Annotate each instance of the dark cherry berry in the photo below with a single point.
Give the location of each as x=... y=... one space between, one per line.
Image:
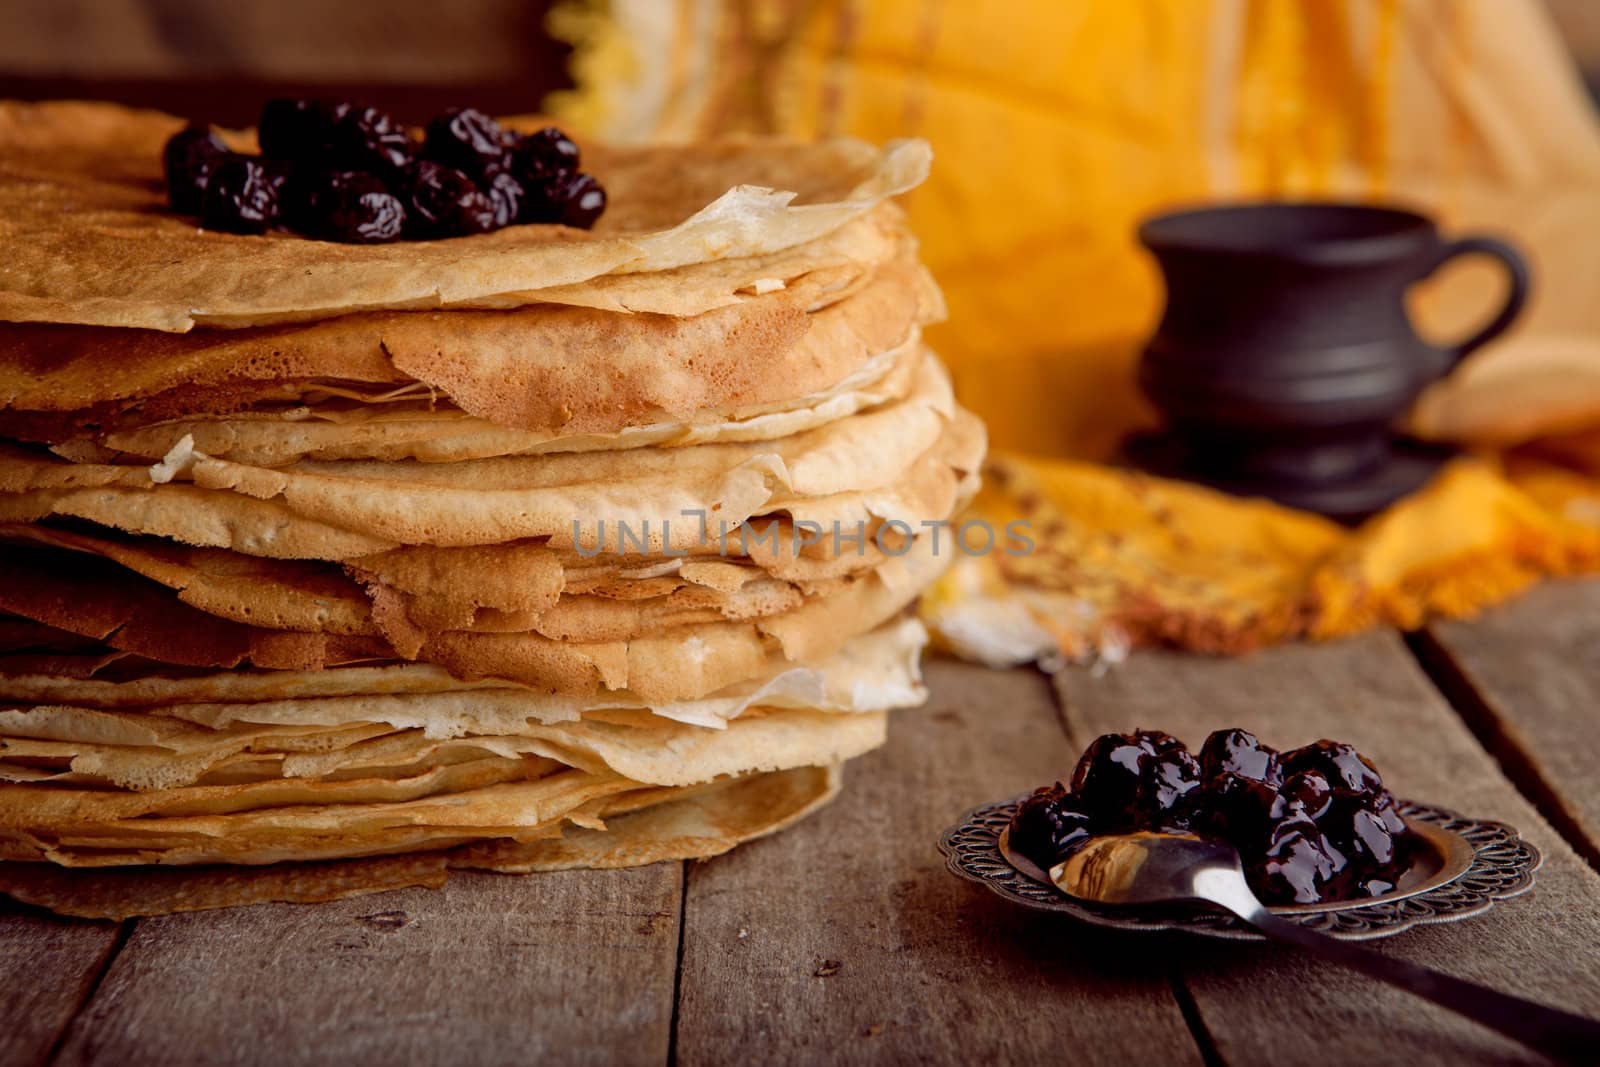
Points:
x=278 y=172
x=1307 y=792
x=356 y=207
x=1238 y=752
x=332 y=170
x=241 y=196
x=586 y=201
x=1370 y=842
x=1107 y=777
x=1341 y=764
x=1048 y=827
x=543 y=156
x=366 y=139
x=298 y=197
x=575 y=200
x=1355 y=825
x=299 y=129
x=1239 y=809
x=1159 y=741
x=189 y=158
x=1168 y=786
x=508 y=195
x=1283 y=821
x=1297 y=869
x=468 y=140
x=1388 y=810
x=443 y=202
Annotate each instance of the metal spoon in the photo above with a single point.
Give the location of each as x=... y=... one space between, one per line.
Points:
x=1149 y=868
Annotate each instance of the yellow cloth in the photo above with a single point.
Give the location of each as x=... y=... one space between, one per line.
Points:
x=1122 y=560
x=1056 y=125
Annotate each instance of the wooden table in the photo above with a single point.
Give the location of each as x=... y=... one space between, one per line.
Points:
x=844 y=940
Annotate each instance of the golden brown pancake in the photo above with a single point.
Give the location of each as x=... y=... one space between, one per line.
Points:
x=89 y=238
x=543 y=369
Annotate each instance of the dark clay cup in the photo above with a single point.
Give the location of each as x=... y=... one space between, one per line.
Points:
x=1285 y=355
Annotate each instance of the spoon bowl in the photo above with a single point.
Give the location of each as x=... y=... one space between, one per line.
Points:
x=1142 y=869
x=1439 y=857
x=1151 y=868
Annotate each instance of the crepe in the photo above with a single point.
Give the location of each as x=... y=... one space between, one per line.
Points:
x=546 y=370
x=405 y=594
x=90 y=241
x=321 y=598
x=679 y=663
x=565 y=496
x=875 y=672
x=696 y=825
x=271 y=530
x=435 y=431
x=362 y=825
x=243 y=765
x=924 y=490
x=279 y=793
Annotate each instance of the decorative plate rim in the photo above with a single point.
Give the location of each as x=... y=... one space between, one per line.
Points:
x=1503 y=866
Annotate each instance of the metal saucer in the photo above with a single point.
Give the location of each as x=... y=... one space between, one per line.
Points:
x=1463 y=868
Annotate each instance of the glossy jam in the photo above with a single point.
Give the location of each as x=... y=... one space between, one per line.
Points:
x=1312 y=824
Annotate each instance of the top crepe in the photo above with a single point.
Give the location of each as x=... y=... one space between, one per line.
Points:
x=90 y=240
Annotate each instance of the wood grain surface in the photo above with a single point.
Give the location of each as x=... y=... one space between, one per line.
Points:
x=1263 y=1004
x=48 y=967
x=844 y=940
x=574 y=967
x=1527 y=675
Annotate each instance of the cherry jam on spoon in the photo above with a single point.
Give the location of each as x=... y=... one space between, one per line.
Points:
x=1242 y=827
x=1148 y=868
x=1312 y=825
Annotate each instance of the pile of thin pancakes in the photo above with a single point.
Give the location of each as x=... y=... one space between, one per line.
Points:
x=330 y=568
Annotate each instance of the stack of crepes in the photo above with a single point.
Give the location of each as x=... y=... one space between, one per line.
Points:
x=330 y=568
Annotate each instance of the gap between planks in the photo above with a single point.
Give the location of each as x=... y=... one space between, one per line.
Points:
x=1526 y=676
x=1442 y=670
x=91 y=987
x=1205 y=1044
x=1370 y=691
x=570 y=967
x=844 y=939
x=1495 y=734
x=677 y=969
x=50 y=967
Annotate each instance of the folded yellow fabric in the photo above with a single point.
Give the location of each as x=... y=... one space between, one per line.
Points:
x=1121 y=560
x=1056 y=126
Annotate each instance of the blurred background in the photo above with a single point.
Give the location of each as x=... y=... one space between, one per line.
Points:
x=216 y=60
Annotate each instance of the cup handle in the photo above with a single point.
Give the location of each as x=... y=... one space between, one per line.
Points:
x=1517 y=273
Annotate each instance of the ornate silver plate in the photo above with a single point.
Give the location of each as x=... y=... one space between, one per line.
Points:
x=1463 y=867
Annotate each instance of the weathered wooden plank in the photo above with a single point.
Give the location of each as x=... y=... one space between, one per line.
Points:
x=1264 y=1004
x=1527 y=674
x=844 y=939
x=47 y=967
x=575 y=967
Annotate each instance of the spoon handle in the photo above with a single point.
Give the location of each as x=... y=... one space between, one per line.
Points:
x=1550 y=1030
